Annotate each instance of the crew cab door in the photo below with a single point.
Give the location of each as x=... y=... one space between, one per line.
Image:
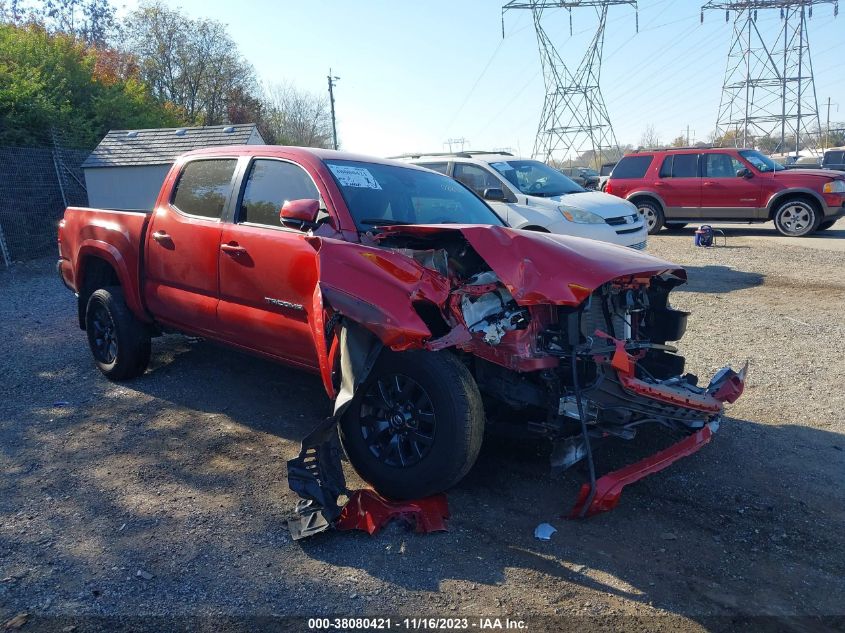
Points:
x=723 y=193
x=183 y=242
x=679 y=186
x=268 y=272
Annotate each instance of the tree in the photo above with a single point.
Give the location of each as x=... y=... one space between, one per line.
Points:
x=679 y=141
x=297 y=117
x=191 y=63
x=92 y=21
x=649 y=137
x=55 y=82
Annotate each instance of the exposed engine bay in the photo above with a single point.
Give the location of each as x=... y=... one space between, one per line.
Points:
x=612 y=350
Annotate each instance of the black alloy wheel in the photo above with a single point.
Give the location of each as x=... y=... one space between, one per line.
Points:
x=398 y=423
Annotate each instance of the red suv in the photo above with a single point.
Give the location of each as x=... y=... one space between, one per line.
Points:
x=673 y=187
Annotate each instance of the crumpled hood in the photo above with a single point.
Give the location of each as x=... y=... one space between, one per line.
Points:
x=598 y=202
x=543 y=268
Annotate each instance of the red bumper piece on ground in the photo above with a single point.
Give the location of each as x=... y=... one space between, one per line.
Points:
x=368 y=511
x=609 y=487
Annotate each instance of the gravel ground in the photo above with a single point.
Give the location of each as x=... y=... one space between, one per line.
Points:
x=167 y=495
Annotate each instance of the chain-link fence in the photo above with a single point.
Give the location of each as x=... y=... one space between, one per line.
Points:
x=36 y=184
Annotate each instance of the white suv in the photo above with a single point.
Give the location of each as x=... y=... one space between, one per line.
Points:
x=528 y=194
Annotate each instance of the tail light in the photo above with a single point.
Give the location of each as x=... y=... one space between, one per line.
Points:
x=608 y=188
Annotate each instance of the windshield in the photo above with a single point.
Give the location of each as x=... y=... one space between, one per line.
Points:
x=586 y=171
x=387 y=194
x=534 y=178
x=763 y=163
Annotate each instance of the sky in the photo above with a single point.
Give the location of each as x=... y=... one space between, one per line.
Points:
x=415 y=74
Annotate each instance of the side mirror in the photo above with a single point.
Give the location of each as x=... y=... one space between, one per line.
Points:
x=744 y=173
x=494 y=194
x=298 y=214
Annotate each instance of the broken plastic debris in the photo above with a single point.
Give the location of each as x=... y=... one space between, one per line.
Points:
x=544 y=531
x=368 y=511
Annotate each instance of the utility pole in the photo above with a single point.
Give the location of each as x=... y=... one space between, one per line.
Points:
x=332 y=80
x=827 y=125
x=455 y=141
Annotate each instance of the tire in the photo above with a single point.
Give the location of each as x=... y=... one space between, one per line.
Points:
x=119 y=342
x=824 y=226
x=796 y=217
x=382 y=431
x=652 y=214
x=675 y=226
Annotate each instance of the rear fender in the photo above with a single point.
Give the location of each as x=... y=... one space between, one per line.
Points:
x=127 y=275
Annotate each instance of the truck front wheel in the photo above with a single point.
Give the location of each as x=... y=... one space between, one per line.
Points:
x=119 y=342
x=415 y=425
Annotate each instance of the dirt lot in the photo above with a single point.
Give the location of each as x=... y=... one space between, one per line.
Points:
x=180 y=476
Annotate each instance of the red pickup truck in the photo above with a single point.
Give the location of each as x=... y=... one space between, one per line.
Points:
x=425 y=316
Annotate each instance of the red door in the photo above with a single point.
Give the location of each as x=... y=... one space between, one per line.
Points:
x=268 y=273
x=726 y=195
x=679 y=185
x=183 y=240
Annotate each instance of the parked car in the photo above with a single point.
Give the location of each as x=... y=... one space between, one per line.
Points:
x=529 y=194
x=604 y=174
x=834 y=159
x=405 y=293
x=584 y=176
x=803 y=162
x=673 y=187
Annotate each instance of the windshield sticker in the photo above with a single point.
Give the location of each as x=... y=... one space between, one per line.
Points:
x=500 y=166
x=354 y=177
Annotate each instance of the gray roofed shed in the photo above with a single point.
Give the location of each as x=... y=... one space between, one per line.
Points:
x=127 y=168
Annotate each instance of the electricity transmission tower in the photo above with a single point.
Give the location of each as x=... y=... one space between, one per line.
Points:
x=768 y=92
x=574 y=117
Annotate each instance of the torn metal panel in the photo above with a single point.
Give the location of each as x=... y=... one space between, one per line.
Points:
x=377 y=288
x=542 y=268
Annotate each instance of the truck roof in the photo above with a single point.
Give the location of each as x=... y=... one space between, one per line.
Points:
x=285 y=150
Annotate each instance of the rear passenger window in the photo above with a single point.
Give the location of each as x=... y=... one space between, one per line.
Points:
x=203 y=187
x=270 y=184
x=440 y=167
x=685 y=166
x=632 y=167
x=476 y=178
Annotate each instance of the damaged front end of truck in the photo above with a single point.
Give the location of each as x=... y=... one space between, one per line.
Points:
x=566 y=338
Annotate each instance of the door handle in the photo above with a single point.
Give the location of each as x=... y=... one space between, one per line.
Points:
x=161 y=236
x=707 y=183
x=233 y=249
x=659 y=184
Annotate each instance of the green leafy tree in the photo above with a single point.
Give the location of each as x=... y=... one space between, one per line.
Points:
x=57 y=82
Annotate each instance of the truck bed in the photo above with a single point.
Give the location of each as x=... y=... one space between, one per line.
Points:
x=115 y=236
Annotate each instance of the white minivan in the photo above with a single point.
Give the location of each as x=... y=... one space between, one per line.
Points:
x=528 y=194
